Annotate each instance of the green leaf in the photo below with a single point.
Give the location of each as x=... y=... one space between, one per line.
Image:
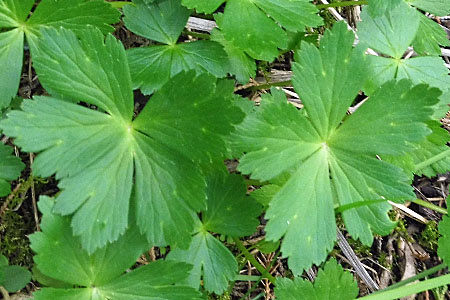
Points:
x=153 y=66
x=332 y=282
x=392 y=32
x=434 y=144
x=444 y=241
x=230 y=211
x=74 y=15
x=436 y=7
x=203 y=6
x=100 y=275
x=265 y=194
x=16 y=278
x=253 y=25
x=212 y=261
x=13 y=13
x=91 y=69
x=429 y=37
x=380 y=7
x=162 y=21
x=332 y=157
x=239 y=63
x=10 y=168
x=11 y=56
x=105 y=151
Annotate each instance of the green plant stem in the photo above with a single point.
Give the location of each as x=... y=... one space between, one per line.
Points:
x=432 y=160
x=120 y=4
x=266 y=86
x=430 y=206
x=414 y=278
x=410 y=289
x=341 y=4
x=253 y=261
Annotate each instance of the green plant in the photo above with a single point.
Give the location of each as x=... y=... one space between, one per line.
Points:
x=132 y=177
x=12 y=278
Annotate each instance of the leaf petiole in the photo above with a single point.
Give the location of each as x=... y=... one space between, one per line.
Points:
x=432 y=160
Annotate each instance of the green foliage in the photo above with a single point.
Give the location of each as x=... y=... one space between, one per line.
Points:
x=94 y=274
x=252 y=26
x=228 y=212
x=332 y=282
x=70 y=14
x=278 y=138
x=82 y=145
x=163 y=21
x=10 y=168
x=13 y=278
x=136 y=175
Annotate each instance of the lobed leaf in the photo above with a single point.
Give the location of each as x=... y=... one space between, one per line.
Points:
x=332 y=282
x=161 y=21
x=230 y=212
x=331 y=158
x=95 y=275
x=13 y=13
x=153 y=66
x=101 y=151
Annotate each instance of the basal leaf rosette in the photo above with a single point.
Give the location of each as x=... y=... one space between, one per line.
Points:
x=100 y=156
x=332 y=157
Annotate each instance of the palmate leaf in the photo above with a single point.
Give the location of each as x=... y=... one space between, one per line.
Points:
x=332 y=282
x=252 y=25
x=152 y=66
x=384 y=15
x=71 y=14
x=100 y=275
x=10 y=168
x=230 y=212
x=103 y=150
x=332 y=158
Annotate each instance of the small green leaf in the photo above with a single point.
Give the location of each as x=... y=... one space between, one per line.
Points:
x=230 y=211
x=429 y=37
x=212 y=261
x=239 y=63
x=250 y=29
x=10 y=168
x=265 y=194
x=16 y=278
x=162 y=21
x=11 y=56
x=392 y=32
x=332 y=282
x=444 y=241
x=154 y=66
